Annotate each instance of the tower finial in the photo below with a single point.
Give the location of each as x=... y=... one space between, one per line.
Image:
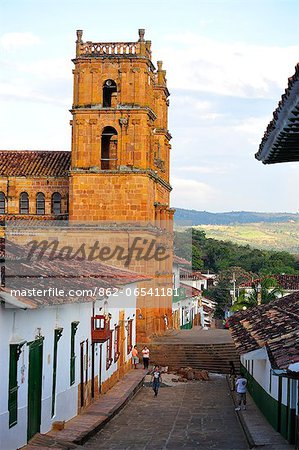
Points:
x=141 y=33
x=79 y=36
x=159 y=64
x=78 y=42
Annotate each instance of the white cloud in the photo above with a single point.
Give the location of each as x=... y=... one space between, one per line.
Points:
x=212 y=169
x=252 y=125
x=194 y=62
x=19 y=90
x=188 y=193
x=48 y=68
x=13 y=40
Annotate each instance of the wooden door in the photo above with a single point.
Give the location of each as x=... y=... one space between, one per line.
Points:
x=35 y=387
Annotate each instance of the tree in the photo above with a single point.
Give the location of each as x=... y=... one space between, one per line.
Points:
x=221 y=295
x=263 y=291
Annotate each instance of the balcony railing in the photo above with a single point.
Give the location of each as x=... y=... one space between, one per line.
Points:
x=109 y=48
x=100 y=328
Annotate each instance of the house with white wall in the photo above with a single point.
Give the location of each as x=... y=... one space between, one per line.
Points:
x=266 y=337
x=58 y=352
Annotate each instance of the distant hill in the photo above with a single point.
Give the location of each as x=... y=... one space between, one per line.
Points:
x=282 y=236
x=193 y=217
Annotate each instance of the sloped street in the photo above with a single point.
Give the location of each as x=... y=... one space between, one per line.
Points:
x=194 y=415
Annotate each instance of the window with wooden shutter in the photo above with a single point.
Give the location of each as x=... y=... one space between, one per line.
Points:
x=130 y=336
x=57 y=336
x=74 y=326
x=14 y=354
x=116 y=343
x=109 y=351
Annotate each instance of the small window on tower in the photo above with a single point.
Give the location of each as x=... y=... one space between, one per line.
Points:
x=108 y=88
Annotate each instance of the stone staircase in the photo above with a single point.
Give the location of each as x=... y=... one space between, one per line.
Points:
x=212 y=357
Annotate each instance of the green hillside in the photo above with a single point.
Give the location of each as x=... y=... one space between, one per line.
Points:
x=271 y=236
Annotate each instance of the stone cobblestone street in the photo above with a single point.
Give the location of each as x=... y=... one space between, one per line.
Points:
x=194 y=415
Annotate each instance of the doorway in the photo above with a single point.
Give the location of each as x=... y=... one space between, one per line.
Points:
x=35 y=387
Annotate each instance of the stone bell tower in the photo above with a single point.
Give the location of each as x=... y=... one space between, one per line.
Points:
x=120 y=137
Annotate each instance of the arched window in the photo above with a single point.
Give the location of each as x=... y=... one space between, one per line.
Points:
x=40 y=203
x=67 y=203
x=56 y=203
x=109 y=149
x=2 y=203
x=24 y=203
x=108 y=88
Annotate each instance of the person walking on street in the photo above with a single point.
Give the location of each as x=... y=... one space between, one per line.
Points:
x=145 y=357
x=156 y=380
x=241 y=388
x=135 y=356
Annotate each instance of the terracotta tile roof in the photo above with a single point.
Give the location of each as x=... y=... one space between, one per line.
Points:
x=190 y=290
x=179 y=260
x=280 y=140
x=275 y=325
x=186 y=274
x=21 y=273
x=34 y=163
x=286 y=282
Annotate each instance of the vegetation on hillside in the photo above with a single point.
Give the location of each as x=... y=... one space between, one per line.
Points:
x=268 y=236
x=215 y=256
x=234 y=265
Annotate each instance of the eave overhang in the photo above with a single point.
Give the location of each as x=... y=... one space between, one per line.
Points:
x=281 y=138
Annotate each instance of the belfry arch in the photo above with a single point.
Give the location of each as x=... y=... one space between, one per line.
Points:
x=109 y=87
x=109 y=149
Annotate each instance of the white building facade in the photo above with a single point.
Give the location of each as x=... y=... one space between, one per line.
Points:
x=53 y=363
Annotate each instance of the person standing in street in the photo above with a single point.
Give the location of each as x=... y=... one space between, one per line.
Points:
x=135 y=356
x=145 y=357
x=156 y=380
x=241 y=388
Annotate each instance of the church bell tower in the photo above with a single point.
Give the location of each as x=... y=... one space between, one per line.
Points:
x=120 y=140
x=120 y=137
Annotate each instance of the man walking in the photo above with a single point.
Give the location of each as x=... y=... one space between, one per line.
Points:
x=156 y=380
x=241 y=388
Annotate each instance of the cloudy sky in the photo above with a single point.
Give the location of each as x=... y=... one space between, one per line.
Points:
x=227 y=64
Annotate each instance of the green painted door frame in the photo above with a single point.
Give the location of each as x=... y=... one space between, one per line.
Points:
x=57 y=336
x=35 y=387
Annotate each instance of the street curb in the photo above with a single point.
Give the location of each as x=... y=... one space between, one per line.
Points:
x=241 y=420
x=87 y=435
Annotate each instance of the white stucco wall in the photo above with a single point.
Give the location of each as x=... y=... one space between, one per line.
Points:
x=25 y=324
x=264 y=376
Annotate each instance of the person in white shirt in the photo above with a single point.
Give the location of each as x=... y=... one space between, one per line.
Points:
x=145 y=357
x=241 y=388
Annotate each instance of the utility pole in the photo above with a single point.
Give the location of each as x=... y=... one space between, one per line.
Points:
x=234 y=288
x=259 y=294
